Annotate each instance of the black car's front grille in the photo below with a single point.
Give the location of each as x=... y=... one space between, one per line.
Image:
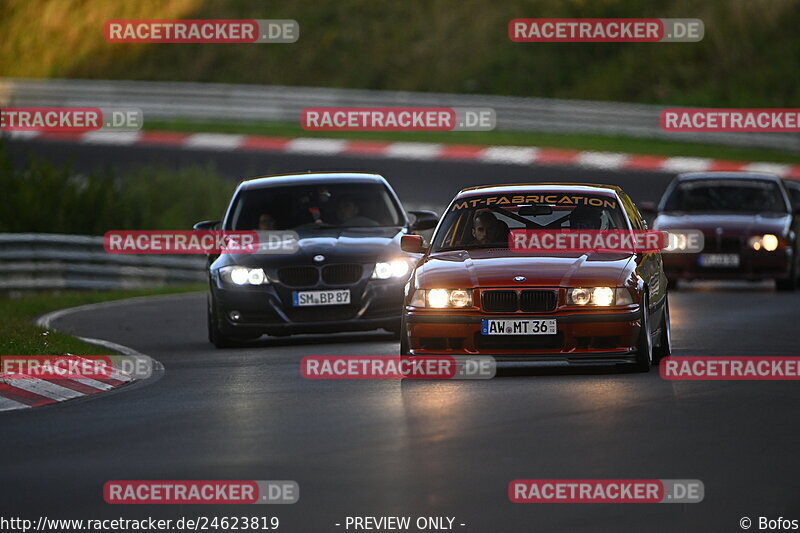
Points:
x=500 y=301
x=530 y=301
x=537 y=301
x=343 y=274
x=519 y=342
x=730 y=244
x=299 y=276
x=321 y=314
x=309 y=276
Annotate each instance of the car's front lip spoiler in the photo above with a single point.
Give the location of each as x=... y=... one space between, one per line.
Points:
x=546 y=360
x=622 y=316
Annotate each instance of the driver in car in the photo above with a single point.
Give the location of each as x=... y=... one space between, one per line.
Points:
x=347 y=213
x=487 y=229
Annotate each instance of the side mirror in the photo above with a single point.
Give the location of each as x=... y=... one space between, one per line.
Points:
x=206 y=225
x=649 y=208
x=424 y=220
x=413 y=244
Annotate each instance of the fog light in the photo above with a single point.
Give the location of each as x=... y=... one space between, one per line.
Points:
x=235 y=316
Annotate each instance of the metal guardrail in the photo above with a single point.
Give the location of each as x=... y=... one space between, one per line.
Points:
x=53 y=261
x=256 y=103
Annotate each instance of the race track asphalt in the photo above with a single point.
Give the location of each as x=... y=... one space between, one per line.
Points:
x=417 y=448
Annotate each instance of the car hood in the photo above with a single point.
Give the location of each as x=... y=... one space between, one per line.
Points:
x=497 y=268
x=339 y=245
x=731 y=223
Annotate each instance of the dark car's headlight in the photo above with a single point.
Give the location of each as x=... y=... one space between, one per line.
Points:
x=599 y=296
x=396 y=268
x=240 y=275
x=768 y=242
x=442 y=298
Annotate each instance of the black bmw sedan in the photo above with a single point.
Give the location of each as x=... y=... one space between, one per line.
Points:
x=345 y=272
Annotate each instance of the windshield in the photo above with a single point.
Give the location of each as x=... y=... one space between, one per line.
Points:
x=298 y=207
x=726 y=195
x=485 y=222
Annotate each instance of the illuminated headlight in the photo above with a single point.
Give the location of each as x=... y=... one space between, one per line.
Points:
x=239 y=275
x=599 y=296
x=442 y=298
x=398 y=268
x=768 y=242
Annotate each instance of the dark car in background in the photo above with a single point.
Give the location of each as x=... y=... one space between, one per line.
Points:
x=748 y=222
x=347 y=273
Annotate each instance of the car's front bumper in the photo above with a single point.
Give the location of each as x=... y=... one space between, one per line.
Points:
x=752 y=266
x=268 y=310
x=589 y=337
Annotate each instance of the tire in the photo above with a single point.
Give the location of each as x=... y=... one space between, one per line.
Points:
x=664 y=348
x=644 y=345
x=215 y=336
x=405 y=345
x=791 y=283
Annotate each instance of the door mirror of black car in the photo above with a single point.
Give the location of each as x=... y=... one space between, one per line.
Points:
x=648 y=208
x=423 y=220
x=206 y=225
x=413 y=244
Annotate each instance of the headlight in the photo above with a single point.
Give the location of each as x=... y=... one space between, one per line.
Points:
x=768 y=242
x=599 y=296
x=442 y=298
x=239 y=275
x=397 y=268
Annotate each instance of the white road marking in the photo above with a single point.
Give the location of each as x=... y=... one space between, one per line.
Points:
x=772 y=168
x=686 y=164
x=214 y=141
x=518 y=155
x=111 y=137
x=44 y=388
x=601 y=159
x=413 y=150
x=7 y=404
x=305 y=145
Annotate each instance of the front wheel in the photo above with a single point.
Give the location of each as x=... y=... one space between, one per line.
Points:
x=789 y=284
x=215 y=336
x=664 y=348
x=644 y=345
x=404 y=342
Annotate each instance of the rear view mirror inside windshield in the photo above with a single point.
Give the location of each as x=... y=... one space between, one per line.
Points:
x=535 y=210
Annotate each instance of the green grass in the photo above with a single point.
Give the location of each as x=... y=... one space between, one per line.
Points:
x=572 y=142
x=20 y=336
x=748 y=57
x=150 y=198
